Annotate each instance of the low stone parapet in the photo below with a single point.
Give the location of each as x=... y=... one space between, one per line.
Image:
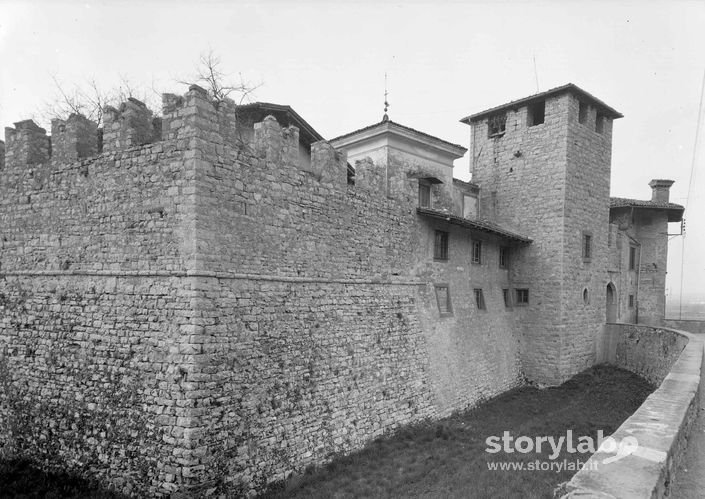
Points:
x=659 y=427
x=690 y=325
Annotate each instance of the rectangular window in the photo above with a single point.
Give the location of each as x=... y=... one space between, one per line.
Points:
x=477 y=252
x=424 y=194
x=497 y=125
x=503 y=257
x=443 y=299
x=632 y=257
x=479 y=299
x=582 y=112
x=507 y=298
x=600 y=123
x=587 y=246
x=469 y=206
x=522 y=297
x=536 y=113
x=440 y=249
x=631 y=301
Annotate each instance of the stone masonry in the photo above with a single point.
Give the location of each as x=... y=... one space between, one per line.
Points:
x=197 y=303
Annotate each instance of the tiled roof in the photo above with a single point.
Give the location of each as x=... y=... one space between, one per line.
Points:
x=675 y=211
x=612 y=113
x=413 y=130
x=281 y=111
x=480 y=225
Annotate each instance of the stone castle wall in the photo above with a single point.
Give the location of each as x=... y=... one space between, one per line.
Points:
x=197 y=312
x=92 y=303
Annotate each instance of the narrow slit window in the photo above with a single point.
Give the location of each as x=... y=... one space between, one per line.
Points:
x=587 y=247
x=477 y=252
x=632 y=257
x=503 y=257
x=631 y=301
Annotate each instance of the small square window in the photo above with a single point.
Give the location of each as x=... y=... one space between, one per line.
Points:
x=424 y=194
x=479 y=299
x=443 y=299
x=522 y=296
x=536 y=113
x=477 y=252
x=600 y=123
x=506 y=295
x=503 y=257
x=587 y=247
x=497 y=125
x=632 y=257
x=440 y=249
x=582 y=112
x=631 y=301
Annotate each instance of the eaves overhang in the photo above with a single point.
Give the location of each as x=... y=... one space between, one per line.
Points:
x=478 y=225
x=673 y=210
x=568 y=88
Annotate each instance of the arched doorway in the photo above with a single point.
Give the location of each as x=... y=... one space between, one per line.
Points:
x=611 y=302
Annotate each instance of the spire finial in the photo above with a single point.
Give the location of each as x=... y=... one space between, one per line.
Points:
x=386 y=104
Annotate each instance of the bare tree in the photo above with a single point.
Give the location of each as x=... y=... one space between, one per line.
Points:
x=218 y=83
x=88 y=99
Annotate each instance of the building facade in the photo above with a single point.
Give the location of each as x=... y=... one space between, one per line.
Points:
x=216 y=299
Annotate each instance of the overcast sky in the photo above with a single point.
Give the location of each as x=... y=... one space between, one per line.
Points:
x=444 y=60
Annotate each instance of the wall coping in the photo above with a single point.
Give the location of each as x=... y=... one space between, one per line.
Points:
x=660 y=425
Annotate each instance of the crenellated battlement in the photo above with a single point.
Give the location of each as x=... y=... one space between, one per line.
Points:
x=73 y=139
x=196 y=115
x=188 y=116
x=26 y=144
x=277 y=144
x=129 y=126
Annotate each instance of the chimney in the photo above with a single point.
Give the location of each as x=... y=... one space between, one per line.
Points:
x=659 y=190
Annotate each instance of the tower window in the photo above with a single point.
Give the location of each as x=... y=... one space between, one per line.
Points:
x=582 y=112
x=632 y=258
x=477 y=252
x=600 y=123
x=443 y=299
x=522 y=296
x=631 y=301
x=497 y=125
x=587 y=246
x=536 y=113
x=479 y=299
x=440 y=249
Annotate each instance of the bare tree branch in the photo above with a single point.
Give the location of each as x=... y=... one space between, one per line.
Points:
x=217 y=82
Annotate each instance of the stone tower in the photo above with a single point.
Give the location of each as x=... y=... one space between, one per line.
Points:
x=543 y=165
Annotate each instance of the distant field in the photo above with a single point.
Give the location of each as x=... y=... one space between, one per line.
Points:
x=693 y=310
